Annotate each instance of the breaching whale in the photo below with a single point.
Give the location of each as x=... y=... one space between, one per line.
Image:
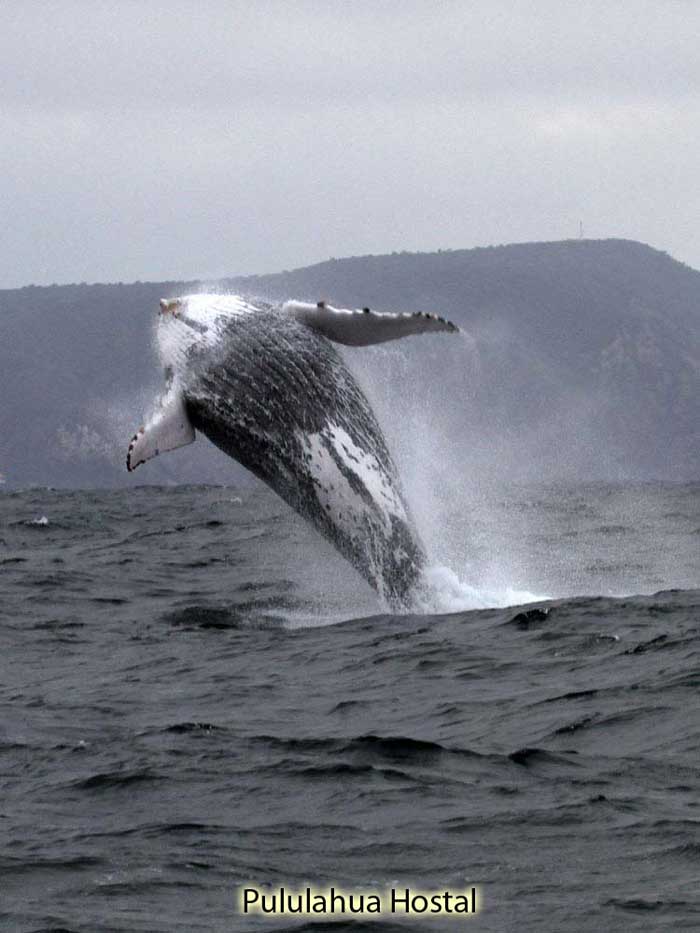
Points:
x=266 y=385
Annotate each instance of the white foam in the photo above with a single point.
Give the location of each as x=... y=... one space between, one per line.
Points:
x=441 y=591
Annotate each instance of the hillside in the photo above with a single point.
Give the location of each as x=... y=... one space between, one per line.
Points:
x=582 y=360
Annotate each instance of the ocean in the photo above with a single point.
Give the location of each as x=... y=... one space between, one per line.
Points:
x=198 y=695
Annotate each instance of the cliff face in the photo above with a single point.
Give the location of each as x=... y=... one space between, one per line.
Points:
x=582 y=360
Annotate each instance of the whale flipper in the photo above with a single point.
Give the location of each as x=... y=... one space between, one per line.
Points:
x=362 y=327
x=169 y=429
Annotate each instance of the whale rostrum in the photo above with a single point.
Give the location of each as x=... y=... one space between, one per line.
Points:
x=265 y=384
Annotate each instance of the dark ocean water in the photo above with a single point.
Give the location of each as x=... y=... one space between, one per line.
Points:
x=179 y=718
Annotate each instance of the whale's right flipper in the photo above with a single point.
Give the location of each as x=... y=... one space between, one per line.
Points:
x=169 y=429
x=362 y=327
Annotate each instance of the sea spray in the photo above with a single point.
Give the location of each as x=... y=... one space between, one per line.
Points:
x=441 y=590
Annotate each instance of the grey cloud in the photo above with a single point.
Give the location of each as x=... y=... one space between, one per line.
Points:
x=181 y=139
x=214 y=55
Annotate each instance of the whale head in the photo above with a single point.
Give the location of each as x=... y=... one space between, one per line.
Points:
x=190 y=323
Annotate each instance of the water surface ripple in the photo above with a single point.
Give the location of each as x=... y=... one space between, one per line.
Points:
x=178 y=719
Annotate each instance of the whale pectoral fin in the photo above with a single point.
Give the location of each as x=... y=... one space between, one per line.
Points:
x=169 y=429
x=362 y=327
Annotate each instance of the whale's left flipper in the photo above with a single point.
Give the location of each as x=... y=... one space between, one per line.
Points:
x=362 y=327
x=169 y=429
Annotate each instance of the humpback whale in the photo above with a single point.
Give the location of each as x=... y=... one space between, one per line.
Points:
x=266 y=384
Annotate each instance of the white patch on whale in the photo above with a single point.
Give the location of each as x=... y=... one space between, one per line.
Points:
x=334 y=492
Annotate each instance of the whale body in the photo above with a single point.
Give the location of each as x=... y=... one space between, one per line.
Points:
x=266 y=384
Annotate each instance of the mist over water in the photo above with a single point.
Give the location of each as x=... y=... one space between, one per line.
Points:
x=494 y=539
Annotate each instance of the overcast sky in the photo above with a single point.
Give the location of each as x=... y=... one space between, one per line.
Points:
x=159 y=140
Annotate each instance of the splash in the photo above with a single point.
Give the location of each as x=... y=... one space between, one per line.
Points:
x=455 y=485
x=442 y=591
x=41 y=522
